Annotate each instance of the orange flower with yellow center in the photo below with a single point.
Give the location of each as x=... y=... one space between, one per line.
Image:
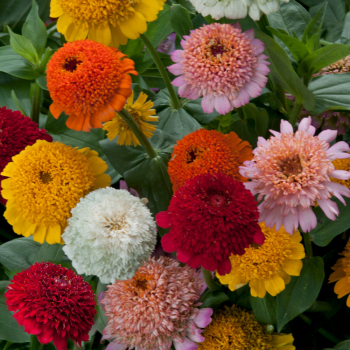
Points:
x=267 y=267
x=46 y=180
x=89 y=82
x=208 y=152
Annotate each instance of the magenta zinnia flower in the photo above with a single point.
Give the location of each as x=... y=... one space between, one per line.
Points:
x=221 y=63
x=291 y=173
x=156 y=308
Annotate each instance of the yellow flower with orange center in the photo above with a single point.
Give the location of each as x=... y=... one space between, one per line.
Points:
x=238 y=329
x=110 y=22
x=45 y=181
x=267 y=267
x=142 y=113
x=342 y=164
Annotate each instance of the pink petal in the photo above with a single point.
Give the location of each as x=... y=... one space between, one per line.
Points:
x=262 y=141
x=338 y=190
x=307 y=219
x=258 y=46
x=340 y=174
x=275 y=133
x=163 y=219
x=286 y=127
x=340 y=146
x=195 y=335
x=311 y=130
x=187 y=344
x=116 y=346
x=208 y=104
x=203 y=318
x=250 y=186
x=304 y=124
x=253 y=89
x=175 y=69
x=185 y=90
x=222 y=104
x=329 y=208
x=237 y=25
x=328 y=135
x=262 y=69
x=290 y=222
x=179 y=81
x=242 y=99
x=176 y=56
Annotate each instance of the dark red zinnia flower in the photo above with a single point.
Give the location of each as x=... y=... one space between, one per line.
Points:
x=211 y=217
x=16 y=133
x=52 y=302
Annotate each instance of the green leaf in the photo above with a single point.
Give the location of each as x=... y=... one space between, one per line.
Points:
x=264 y=309
x=42 y=82
x=315 y=26
x=23 y=47
x=327 y=229
x=313 y=43
x=180 y=20
x=261 y=118
x=346 y=29
x=194 y=108
x=101 y=319
x=14 y=64
x=300 y=292
x=34 y=30
x=147 y=176
x=245 y=129
x=187 y=5
x=214 y=300
x=323 y=57
x=283 y=73
x=344 y=345
x=296 y=47
x=50 y=252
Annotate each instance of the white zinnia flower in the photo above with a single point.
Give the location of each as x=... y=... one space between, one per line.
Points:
x=109 y=235
x=236 y=8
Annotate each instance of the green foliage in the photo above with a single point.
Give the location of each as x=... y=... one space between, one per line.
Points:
x=180 y=20
x=264 y=309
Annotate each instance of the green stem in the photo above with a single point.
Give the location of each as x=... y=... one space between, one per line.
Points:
x=296 y=112
x=240 y=112
x=263 y=23
x=45 y=59
x=308 y=244
x=174 y=98
x=7 y=345
x=320 y=306
x=36 y=105
x=325 y=43
x=209 y=280
x=138 y=133
x=34 y=343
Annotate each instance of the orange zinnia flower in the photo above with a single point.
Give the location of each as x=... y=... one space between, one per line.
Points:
x=208 y=152
x=89 y=82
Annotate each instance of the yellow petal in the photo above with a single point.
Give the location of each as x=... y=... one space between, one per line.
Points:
x=297 y=251
x=348 y=301
x=293 y=267
x=134 y=25
x=8 y=169
x=21 y=225
x=54 y=234
x=11 y=214
x=296 y=237
x=40 y=234
x=285 y=276
x=6 y=184
x=99 y=166
x=55 y=9
x=275 y=285
x=130 y=99
x=102 y=181
x=149 y=9
x=282 y=339
x=342 y=287
x=75 y=32
x=257 y=288
x=7 y=193
x=63 y=23
x=338 y=273
x=118 y=38
x=29 y=230
x=140 y=100
x=101 y=34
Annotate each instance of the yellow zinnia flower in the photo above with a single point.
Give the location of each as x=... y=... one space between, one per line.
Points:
x=141 y=111
x=234 y=328
x=342 y=164
x=110 y=22
x=267 y=267
x=46 y=180
x=341 y=274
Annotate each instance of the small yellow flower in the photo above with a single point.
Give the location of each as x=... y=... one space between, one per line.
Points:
x=110 y=22
x=342 y=164
x=141 y=111
x=237 y=329
x=45 y=181
x=267 y=267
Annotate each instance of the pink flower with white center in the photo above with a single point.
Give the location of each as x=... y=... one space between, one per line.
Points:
x=158 y=307
x=291 y=173
x=222 y=64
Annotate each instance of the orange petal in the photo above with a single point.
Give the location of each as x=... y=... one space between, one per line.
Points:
x=125 y=84
x=124 y=92
x=108 y=113
x=75 y=123
x=117 y=102
x=56 y=109
x=95 y=121
x=127 y=77
x=86 y=125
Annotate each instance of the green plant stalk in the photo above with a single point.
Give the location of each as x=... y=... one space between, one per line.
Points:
x=174 y=98
x=263 y=23
x=296 y=112
x=7 y=345
x=209 y=280
x=308 y=244
x=138 y=133
x=36 y=105
x=34 y=343
x=240 y=112
x=320 y=306
x=45 y=60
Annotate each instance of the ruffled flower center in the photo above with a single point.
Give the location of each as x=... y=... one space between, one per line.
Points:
x=71 y=64
x=45 y=177
x=291 y=168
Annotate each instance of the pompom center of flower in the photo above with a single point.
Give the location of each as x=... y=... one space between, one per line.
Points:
x=45 y=177
x=216 y=48
x=140 y=284
x=217 y=200
x=91 y=13
x=292 y=167
x=72 y=64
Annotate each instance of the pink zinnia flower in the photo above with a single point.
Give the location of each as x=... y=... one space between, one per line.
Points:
x=156 y=308
x=221 y=63
x=291 y=173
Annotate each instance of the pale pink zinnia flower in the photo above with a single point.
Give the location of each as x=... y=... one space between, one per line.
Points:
x=221 y=63
x=291 y=172
x=156 y=308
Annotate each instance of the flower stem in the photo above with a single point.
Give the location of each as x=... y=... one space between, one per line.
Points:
x=263 y=23
x=308 y=244
x=7 y=345
x=36 y=105
x=320 y=306
x=46 y=57
x=174 y=98
x=240 y=112
x=138 y=133
x=209 y=280
x=295 y=114
x=34 y=343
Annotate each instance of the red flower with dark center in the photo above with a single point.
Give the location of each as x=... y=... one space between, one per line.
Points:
x=52 y=302
x=211 y=217
x=16 y=133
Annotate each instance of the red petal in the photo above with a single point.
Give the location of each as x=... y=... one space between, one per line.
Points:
x=210 y=264
x=163 y=219
x=225 y=267
x=184 y=255
x=60 y=342
x=195 y=261
x=167 y=243
x=46 y=336
x=259 y=237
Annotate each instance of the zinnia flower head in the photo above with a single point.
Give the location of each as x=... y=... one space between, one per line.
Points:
x=238 y=329
x=110 y=22
x=109 y=235
x=341 y=275
x=341 y=66
x=207 y=151
x=46 y=180
x=16 y=133
x=342 y=164
x=158 y=307
x=236 y=8
x=142 y=113
x=329 y=119
x=267 y=267
x=53 y=303
x=291 y=173
x=89 y=82
x=211 y=217
x=222 y=64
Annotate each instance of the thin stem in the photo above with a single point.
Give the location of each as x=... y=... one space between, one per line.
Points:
x=325 y=43
x=240 y=112
x=209 y=280
x=138 y=133
x=295 y=114
x=320 y=306
x=45 y=59
x=7 y=345
x=34 y=343
x=174 y=98
x=36 y=105
x=263 y=23
x=308 y=244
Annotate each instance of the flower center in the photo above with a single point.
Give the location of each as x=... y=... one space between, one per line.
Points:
x=217 y=200
x=135 y=113
x=217 y=50
x=45 y=177
x=140 y=284
x=72 y=64
x=292 y=167
x=192 y=156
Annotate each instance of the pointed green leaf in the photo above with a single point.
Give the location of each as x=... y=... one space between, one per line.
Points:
x=261 y=118
x=180 y=20
x=315 y=26
x=50 y=252
x=213 y=300
x=346 y=30
x=194 y=108
x=264 y=309
x=344 y=345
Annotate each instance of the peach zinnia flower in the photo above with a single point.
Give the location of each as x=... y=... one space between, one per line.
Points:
x=208 y=152
x=221 y=63
x=156 y=308
x=89 y=82
x=291 y=173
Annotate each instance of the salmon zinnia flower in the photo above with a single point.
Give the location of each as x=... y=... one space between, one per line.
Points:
x=208 y=152
x=46 y=180
x=222 y=64
x=110 y=22
x=267 y=267
x=89 y=82
x=211 y=217
x=53 y=303
x=291 y=173
x=158 y=307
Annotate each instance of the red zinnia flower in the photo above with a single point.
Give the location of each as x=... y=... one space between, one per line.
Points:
x=211 y=217
x=52 y=302
x=16 y=133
